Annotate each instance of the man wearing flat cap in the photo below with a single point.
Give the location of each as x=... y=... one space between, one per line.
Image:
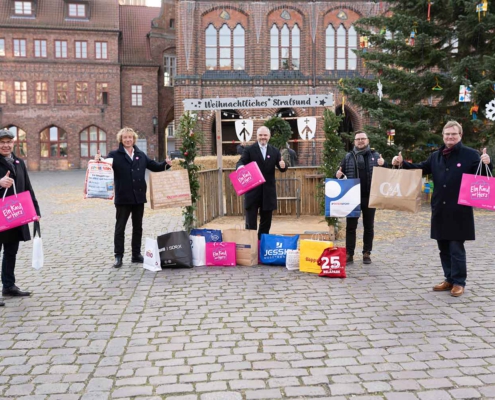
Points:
x=14 y=176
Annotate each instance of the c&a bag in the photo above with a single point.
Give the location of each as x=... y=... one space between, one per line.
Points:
x=274 y=248
x=175 y=249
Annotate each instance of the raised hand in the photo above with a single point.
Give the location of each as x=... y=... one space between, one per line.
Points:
x=98 y=155
x=397 y=160
x=282 y=164
x=485 y=157
x=6 y=181
x=381 y=161
x=339 y=173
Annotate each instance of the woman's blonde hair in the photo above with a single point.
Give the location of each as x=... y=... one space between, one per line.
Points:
x=453 y=123
x=126 y=130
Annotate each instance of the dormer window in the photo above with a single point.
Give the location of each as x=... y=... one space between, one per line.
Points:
x=76 y=10
x=23 y=7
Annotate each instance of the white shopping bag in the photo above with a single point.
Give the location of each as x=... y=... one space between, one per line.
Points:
x=151 y=256
x=38 y=257
x=198 y=247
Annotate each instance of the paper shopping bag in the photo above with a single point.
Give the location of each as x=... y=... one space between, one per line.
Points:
x=246 y=245
x=210 y=235
x=38 y=257
x=175 y=249
x=198 y=248
x=99 y=180
x=151 y=256
x=220 y=254
x=396 y=189
x=274 y=248
x=246 y=178
x=342 y=198
x=169 y=189
x=476 y=191
x=16 y=210
x=332 y=262
x=309 y=253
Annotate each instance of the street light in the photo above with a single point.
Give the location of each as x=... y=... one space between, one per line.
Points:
x=155 y=124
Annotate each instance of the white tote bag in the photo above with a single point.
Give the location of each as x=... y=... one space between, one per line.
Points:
x=198 y=247
x=38 y=257
x=151 y=256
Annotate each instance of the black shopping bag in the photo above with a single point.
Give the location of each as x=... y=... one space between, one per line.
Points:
x=175 y=250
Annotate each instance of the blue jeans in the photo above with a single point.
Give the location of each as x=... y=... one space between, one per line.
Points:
x=453 y=258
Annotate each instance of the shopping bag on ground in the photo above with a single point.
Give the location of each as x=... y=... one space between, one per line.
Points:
x=175 y=249
x=332 y=262
x=220 y=254
x=246 y=244
x=246 y=178
x=16 y=210
x=476 y=190
x=210 y=235
x=198 y=248
x=396 y=189
x=309 y=253
x=99 y=180
x=274 y=248
x=342 y=198
x=38 y=257
x=151 y=256
x=292 y=260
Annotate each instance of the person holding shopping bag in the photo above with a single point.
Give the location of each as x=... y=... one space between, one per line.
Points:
x=14 y=174
x=451 y=224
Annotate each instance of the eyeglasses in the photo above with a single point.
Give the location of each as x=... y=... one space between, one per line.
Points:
x=360 y=139
x=450 y=134
x=3 y=143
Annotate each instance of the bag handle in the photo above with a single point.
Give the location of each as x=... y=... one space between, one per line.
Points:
x=479 y=169
x=36 y=229
x=6 y=190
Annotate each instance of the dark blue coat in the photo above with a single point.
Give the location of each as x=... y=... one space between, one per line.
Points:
x=129 y=176
x=449 y=220
x=267 y=192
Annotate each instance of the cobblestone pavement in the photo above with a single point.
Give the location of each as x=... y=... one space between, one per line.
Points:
x=92 y=332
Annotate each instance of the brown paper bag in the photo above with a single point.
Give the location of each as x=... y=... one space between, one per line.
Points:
x=246 y=243
x=169 y=189
x=396 y=189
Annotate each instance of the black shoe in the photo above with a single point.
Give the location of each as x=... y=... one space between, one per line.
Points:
x=137 y=259
x=14 y=291
x=349 y=259
x=118 y=262
x=366 y=258
x=2 y=303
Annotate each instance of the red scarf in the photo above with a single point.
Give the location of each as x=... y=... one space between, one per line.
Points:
x=446 y=152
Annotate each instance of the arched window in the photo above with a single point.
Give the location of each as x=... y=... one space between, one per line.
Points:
x=352 y=45
x=53 y=142
x=20 y=144
x=330 y=48
x=93 y=139
x=340 y=44
x=341 y=47
x=224 y=49
x=285 y=47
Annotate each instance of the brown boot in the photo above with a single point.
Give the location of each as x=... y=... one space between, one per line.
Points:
x=367 y=258
x=457 y=291
x=444 y=286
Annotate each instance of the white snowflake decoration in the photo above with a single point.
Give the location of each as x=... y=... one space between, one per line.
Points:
x=490 y=110
x=380 y=87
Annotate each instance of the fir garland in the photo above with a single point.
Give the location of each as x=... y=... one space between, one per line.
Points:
x=190 y=140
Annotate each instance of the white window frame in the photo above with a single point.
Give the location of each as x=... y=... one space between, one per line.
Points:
x=169 y=69
x=81 y=49
x=20 y=47
x=75 y=10
x=2 y=47
x=23 y=7
x=101 y=50
x=60 y=49
x=137 y=95
x=40 y=48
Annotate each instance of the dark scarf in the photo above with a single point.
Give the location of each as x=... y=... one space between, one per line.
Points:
x=446 y=151
x=10 y=162
x=359 y=154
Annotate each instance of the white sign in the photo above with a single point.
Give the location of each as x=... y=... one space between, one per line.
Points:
x=313 y=100
x=244 y=129
x=465 y=94
x=306 y=127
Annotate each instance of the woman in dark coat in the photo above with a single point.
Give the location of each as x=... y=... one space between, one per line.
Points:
x=12 y=170
x=129 y=168
x=451 y=223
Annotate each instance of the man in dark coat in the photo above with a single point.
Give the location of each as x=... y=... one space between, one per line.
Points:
x=129 y=168
x=263 y=197
x=451 y=223
x=359 y=164
x=13 y=171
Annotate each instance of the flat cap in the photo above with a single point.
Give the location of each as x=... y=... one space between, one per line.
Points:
x=6 y=133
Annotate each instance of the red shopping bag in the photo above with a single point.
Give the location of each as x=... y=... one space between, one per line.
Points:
x=477 y=190
x=332 y=262
x=247 y=178
x=17 y=210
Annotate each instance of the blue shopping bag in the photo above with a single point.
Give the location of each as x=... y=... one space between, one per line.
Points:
x=342 y=198
x=273 y=248
x=210 y=235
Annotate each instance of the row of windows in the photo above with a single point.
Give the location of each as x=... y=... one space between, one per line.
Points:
x=53 y=142
x=60 y=49
x=225 y=48
x=72 y=10
x=61 y=90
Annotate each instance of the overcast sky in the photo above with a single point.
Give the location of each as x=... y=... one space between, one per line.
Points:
x=154 y=3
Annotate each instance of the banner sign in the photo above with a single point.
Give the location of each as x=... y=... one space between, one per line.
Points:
x=313 y=100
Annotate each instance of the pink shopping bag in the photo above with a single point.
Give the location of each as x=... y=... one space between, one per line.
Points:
x=16 y=210
x=477 y=191
x=247 y=178
x=220 y=254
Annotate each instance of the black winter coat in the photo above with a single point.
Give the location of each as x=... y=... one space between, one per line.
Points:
x=267 y=192
x=22 y=184
x=449 y=220
x=129 y=176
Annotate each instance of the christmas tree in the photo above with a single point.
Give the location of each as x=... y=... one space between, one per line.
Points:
x=434 y=62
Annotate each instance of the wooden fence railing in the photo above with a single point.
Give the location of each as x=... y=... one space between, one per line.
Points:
x=207 y=208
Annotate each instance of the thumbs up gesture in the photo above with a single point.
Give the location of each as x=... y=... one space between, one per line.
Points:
x=381 y=161
x=397 y=160
x=485 y=157
x=6 y=181
x=339 y=173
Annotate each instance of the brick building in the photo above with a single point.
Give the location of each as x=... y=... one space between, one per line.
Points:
x=73 y=72
x=248 y=49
